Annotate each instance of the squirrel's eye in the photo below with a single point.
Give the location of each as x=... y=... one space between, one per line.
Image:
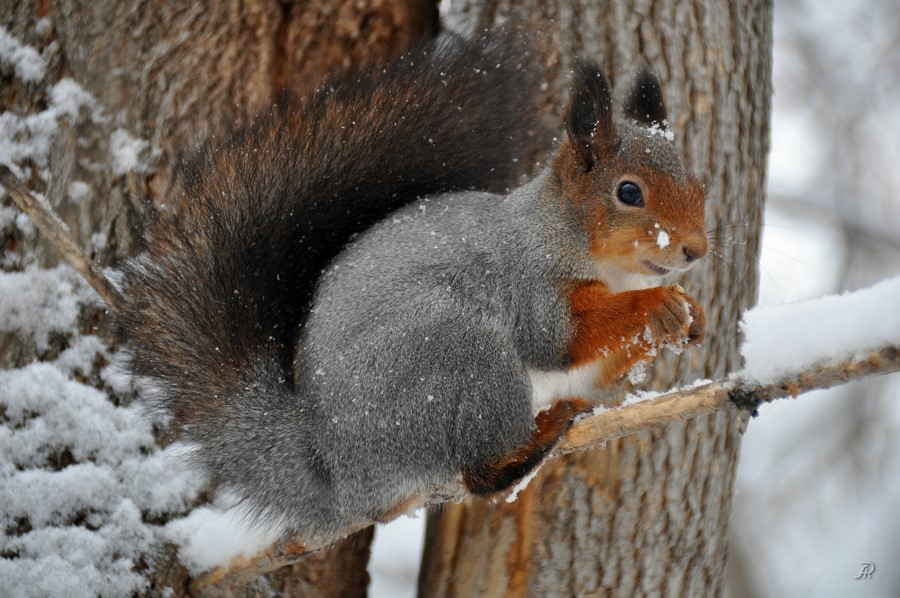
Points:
x=630 y=194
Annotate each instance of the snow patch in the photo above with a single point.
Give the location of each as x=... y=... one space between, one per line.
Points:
x=523 y=483
x=38 y=302
x=125 y=152
x=211 y=536
x=80 y=475
x=68 y=98
x=42 y=26
x=638 y=372
x=662 y=239
x=29 y=137
x=661 y=130
x=639 y=396
x=786 y=338
x=79 y=191
x=27 y=62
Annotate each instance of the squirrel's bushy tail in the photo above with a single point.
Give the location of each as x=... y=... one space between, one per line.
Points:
x=216 y=303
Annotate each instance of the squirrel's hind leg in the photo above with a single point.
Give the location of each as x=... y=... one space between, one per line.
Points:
x=550 y=425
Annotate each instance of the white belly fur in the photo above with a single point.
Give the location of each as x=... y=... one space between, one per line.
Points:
x=547 y=387
x=550 y=386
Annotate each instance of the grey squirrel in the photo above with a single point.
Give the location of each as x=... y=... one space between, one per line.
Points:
x=342 y=317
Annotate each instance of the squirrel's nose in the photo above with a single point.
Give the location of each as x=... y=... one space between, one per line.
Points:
x=695 y=249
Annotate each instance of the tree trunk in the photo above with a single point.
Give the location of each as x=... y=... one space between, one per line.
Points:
x=169 y=73
x=646 y=514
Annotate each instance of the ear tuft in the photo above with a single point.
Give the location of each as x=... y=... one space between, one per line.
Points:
x=644 y=102
x=589 y=119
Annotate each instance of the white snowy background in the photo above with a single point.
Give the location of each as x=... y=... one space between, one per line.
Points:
x=818 y=485
x=82 y=487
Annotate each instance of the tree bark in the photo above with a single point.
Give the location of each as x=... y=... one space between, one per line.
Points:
x=171 y=73
x=649 y=513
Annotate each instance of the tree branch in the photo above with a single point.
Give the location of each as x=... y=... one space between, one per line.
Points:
x=732 y=393
x=55 y=232
x=716 y=396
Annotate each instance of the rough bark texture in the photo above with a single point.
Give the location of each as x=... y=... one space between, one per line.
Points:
x=171 y=73
x=649 y=513
x=174 y=72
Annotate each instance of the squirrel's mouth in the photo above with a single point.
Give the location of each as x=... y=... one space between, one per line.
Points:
x=658 y=270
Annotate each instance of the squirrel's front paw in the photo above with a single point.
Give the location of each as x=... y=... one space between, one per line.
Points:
x=677 y=318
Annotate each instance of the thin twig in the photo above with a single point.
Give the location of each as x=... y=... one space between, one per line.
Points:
x=715 y=396
x=55 y=232
x=732 y=393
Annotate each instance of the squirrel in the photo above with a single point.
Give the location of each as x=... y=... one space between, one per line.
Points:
x=343 y=312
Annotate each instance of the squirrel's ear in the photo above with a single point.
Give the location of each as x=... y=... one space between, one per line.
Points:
x=589 y=119
x=644 y=102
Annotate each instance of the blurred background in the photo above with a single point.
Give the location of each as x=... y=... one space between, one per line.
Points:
x=818 y=487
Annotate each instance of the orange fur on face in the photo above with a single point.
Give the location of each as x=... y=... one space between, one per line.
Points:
x=625 y=236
